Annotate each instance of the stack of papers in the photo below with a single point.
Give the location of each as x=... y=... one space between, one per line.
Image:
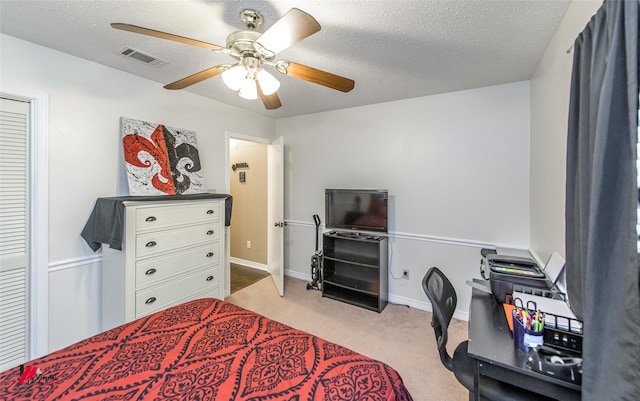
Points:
x=563 y=318
x=554 y=306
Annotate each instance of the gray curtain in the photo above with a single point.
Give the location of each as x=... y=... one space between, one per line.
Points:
x=602 y=268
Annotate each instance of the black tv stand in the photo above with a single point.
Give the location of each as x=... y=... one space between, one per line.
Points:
x=355 y=268
x=356 y=234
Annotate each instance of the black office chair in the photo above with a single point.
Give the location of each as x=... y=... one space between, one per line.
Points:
x=443 y=300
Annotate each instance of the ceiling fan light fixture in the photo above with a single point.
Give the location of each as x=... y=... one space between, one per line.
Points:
x=251 y=51
x=268 y=83
x=249 y=90
x=234 y=77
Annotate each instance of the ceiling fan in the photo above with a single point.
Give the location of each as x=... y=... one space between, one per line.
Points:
x=253 y=51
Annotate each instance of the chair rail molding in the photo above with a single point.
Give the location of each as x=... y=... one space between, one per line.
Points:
x=75 y=262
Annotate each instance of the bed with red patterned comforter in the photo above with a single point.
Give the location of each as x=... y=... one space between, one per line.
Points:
x=204 y=350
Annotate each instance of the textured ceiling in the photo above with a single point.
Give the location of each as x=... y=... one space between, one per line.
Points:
x=392 y=49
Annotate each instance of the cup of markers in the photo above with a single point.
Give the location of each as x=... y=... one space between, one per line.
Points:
x=528 y=327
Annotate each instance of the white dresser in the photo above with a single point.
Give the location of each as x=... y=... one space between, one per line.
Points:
x=172 y=252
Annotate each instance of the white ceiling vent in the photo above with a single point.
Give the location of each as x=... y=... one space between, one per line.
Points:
x=142 y=57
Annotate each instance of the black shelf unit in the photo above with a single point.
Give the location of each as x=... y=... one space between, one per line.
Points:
x=354 y=268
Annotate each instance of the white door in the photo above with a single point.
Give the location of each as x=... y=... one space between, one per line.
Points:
x=14 y=233
x=275 y=218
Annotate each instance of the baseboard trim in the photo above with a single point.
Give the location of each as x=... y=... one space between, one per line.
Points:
x=422 y=305
x=298 y=275
x=394 y=299
x=249 y=263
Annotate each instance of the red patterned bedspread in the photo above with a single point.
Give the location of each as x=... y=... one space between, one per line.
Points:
x=204 y=350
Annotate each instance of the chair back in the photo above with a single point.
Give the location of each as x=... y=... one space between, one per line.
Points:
x=443 y=298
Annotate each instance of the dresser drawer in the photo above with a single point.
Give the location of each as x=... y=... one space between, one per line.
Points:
x=149 y=244
x=186 y=245
x=164 y=295
x=152 y=270
x=190 y=297
x=150 y=218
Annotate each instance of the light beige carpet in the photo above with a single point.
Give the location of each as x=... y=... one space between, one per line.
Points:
x=400 y=336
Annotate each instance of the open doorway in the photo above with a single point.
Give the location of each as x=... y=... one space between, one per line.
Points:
x=254 y=214
x=248 y=181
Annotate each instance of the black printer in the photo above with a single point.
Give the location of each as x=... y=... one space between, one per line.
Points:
x=509 y=274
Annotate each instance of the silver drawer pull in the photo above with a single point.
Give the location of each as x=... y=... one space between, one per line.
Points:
x=150 y=244
x=150 y=219
x=210 y=232
x=209 y=211
x=210 y=254
x=209 y=278
x=150 y=300
x=150 y=272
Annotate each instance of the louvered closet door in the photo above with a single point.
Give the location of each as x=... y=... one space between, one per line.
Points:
x=14 y=241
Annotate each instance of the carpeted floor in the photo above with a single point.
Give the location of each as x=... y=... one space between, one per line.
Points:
x=400 y=336
x=243 y=276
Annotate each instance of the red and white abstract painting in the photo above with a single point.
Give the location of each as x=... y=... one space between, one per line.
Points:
x=160 y=160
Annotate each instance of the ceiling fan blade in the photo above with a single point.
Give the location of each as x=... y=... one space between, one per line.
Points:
x=316 y=76
x=164 y=35
x=270 y=102
x=195 y=78
x=294 y=26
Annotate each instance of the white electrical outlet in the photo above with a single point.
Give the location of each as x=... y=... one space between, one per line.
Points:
x=249 y=244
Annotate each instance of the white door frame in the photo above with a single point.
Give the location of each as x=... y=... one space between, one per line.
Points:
x=275 y=216
x=228 y=135
x=39 y=217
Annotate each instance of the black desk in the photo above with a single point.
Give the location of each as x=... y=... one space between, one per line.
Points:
x=491 y=346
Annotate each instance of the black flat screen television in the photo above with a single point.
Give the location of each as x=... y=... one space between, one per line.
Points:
x=356 y=209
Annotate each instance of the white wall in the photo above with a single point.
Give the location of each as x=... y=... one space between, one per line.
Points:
x=550 y=86
x=74 y=301
x=447 y=160
x=456 y=166
x=86 y=101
